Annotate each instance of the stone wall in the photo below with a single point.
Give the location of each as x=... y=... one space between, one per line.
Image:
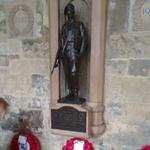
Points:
x=24 y=74
x=127 y=75
x=24 y=66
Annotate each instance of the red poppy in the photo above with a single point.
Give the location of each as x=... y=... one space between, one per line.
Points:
x=146 y=147
x=70 y=144
x=32 y=140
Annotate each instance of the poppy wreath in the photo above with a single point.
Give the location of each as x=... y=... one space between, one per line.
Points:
x=146 y=147
x=70 y=144
x=31 y=139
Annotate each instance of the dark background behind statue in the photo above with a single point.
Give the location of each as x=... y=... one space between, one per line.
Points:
x=82 y=13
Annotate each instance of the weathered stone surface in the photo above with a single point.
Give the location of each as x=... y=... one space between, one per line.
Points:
x=102 y=147
x=10 y=80
x=34 y=118
x=4 y=61
x=40 y=84
x=3 y=26
x=21 y=58
x=127 y=112
x=10 y=47
x=135 y=45
x=116 y=9
x=21 y=19
x=24 y=82
x=137 y=111
x=141 y=15
x=124 y=122
x=136 y=137
x=36 y=103
x=11 y=122
x=118 y=67
x=1 y=85
x=129 y=90
x=130 y=148
x=10 y=99
x=19 y=84
x=139 y=67
x=35 y=48
x=12 y=57
x=114 y=110
x=5 y=137
x=7 y=1
x=29 y=66
x=24 y=86
x=42 y=17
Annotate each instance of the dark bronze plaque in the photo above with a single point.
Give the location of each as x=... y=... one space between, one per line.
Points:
x=68 y=118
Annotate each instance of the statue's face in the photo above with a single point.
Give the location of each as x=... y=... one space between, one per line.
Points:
x=70 y=14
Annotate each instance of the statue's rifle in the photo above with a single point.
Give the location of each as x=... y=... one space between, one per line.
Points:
x=58 y=56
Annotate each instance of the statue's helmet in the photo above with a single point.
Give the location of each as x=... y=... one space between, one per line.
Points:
x=70 y=7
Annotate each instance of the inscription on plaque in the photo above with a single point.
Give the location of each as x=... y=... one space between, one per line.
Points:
x=68 y=118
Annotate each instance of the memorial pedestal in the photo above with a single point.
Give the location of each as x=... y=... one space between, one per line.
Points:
x=92 y=112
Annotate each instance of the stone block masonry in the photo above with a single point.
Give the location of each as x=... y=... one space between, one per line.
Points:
x=24 y=68
x=25 y=82
x=127 y=82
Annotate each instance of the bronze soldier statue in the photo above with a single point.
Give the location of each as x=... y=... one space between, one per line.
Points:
x=73 y=43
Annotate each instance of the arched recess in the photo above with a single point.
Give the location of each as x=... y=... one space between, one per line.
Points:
x=82 y=13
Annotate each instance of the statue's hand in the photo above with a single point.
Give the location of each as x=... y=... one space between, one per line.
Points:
x=61 y=54
x=56 y=63
x=79 y=54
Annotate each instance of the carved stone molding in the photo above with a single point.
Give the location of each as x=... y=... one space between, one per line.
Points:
x=21 y=20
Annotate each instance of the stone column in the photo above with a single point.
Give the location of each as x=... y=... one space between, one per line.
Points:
x=97 y=65
x=54 y=23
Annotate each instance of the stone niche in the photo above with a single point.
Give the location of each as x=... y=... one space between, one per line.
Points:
x=88 y=117
x=82 y=13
